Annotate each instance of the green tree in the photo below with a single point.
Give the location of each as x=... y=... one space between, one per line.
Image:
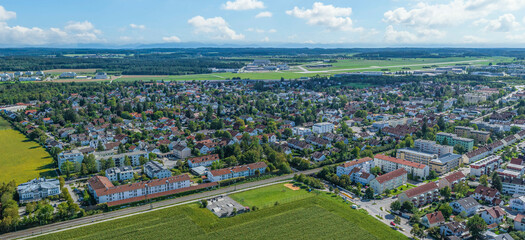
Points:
x=67 y=168
x=476 y=226
x=369 y=193
x=395 y=205
x=496 y=182
x=483 y=180
x=446 y=192
x=446 y=210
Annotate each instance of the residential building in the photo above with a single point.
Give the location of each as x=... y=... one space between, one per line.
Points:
x=120 y=159
x=237 y=171
x=181 y=151
x=301 y=131
x=389 y=164
x=493 y=215
x=364 y=163
x=518 y=204
x=485 y=166
x=119 y=173
x=68 y=75
x=73 y=156
x=519 y=222
x=205 y=161
x=445 y=163
x=432 y=147
x=155 y=169
x=433 y=219
x=453 y=140
x=324 y=127
x=389 y=181
x=422 y=195
x=468 y=205
x=487 y=194
x=468 y=132
x=413 y=155
x=37 y=189
x=511 y=186
x=451 y=179
x=456 y=229
x=104 y=191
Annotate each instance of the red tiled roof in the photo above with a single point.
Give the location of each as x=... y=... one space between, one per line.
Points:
x=435 y=217
x=455 y=176
x=160 y=194
x=241 y=168
x=102 y=186
x=421 y=189
x=495 y=212
x=391 y=175
x=206 y=158
x=400 y=161
x=358 y=161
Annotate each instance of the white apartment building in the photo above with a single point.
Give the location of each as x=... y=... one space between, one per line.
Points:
x=104 y=191
x=237 y=171
x=37 y=189
x=119 y=173
x=389 y=181
x=389 y=164
x=73 y=156
x=432 y=147
x=324 y=127
x=301 y=131
x=513 y=186
x=485 y=166
x=364 y=164
x=205 y=161
x=155 y=169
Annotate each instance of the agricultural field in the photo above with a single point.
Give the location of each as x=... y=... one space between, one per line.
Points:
x=316 y=216
x=22 y=159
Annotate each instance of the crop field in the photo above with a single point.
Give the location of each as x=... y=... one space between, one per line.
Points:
x=269 y=195
x=22 y=159
x=317 y=216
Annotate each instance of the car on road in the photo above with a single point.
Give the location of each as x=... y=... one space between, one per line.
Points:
x=393 y=224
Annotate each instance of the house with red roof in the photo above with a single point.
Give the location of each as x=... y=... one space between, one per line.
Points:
x=422 y=195
x=493 y=215
x=104 y=191
x=451 y=179
x=389 y=181
x=433 y=219
x=206 y=160
x=237 y=171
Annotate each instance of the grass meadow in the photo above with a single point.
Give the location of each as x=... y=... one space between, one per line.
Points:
x=315 y=216
x=20 y=158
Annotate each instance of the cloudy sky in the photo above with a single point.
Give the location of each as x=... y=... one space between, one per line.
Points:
x=343 y=22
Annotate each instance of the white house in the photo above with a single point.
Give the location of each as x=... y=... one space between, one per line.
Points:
x=37 y=189
x=468 y=205
x=205 y=161
x=364 y=163
x=389 y=181
x=518 y=204
x=519 y=222
x=389 y=164
x=324 y=127
x=73 y=156
x=156 y=170
x=493 y=215
x=119 y=173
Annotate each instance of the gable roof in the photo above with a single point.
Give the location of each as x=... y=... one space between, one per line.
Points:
x=356 y=162
x=435 y=217
x=421 y=189
x=455 y=176
x=391 y=175
x=400 y=161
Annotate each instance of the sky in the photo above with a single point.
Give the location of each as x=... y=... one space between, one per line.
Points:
x=469 y=23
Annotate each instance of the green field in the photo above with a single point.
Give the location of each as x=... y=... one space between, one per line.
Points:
x=267 y=196
x=316 y=216
x=22 y=159
x=346 y=65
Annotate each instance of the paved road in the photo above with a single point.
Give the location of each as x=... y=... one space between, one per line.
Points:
x=28 y=233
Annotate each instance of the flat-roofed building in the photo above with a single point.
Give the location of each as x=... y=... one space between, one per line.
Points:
x=413 y=155
x=485 y=166
x=155 y=169
x=432 y=147
x=119 y=173
x=445 y=163
x=37 y=189
x=453 y=140
x=468 y=132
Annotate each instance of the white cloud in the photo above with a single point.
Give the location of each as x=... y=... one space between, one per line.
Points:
x=473 y=39
x=216 y=27
x=239 y=5
x=265 y=39
x=454 y=12
x=6 y=15
x=71 y=34
x=272 y=31
x=258 y=30
x=172 y=39
x=504 y=23
x=419 y=35
x=264 y=15
x=137 y=26
x=333 y=18
x=80 y=27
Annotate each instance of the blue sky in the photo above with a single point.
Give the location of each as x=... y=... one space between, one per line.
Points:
x=343 y=22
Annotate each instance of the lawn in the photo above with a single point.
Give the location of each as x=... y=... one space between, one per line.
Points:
x=267 y=196
x=317 y=216
x=22 y=159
